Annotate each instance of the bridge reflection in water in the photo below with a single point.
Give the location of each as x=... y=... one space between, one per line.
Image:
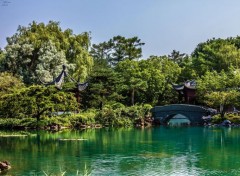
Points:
x=179 y=120
x=188 y=114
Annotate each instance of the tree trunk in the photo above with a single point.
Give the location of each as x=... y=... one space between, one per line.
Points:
x=222 y=112
x=132 y=96
x=78 y=98
x=222 y=115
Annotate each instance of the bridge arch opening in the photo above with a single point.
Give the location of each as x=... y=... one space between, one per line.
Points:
x=178 y=120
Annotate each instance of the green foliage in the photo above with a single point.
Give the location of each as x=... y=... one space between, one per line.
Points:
x=36 y=101
x=148 y=81
x=216 y=54
x=219 y=89
x=162 y=73
x=225 y=98
x=187 y=70
x=117 y=79
x=133 y=77
x=103 y=88
x=83 y=118
x=9 y=123
x=39 y=50
x=217 y=119
x=118 y=49
x=232 y=117
x=8 y=83
x=50 y=62
x=177 y=57
x=119 y=115
x=2 y=56
x=57 y=120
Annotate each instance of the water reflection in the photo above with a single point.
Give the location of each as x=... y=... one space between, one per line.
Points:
x=156 y=151
x=179 y=120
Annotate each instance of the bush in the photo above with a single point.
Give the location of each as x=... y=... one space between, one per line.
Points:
x=234 y=118
x=118 y=115
x=114 y=115
x=217 y=119
x=83 y=118
x=9 y=122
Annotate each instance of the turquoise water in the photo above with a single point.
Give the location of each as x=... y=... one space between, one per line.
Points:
x=154 y=151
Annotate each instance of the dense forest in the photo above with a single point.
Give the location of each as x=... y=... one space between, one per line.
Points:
x=123 y=86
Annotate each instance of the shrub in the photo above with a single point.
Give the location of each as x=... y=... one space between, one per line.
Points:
x=9 y=122
x=83 y=118
x=216 y=119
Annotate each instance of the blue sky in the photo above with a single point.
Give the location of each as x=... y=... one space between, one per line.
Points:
x=164 y=25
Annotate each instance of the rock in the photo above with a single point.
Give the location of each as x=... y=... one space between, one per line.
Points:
x=98 y=126
x=156 y=122
x=54 y=127
x=4 y=165
x=226 y=123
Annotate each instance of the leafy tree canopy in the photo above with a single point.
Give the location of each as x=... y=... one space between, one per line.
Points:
x=148 y=81
x=36 y=101
x=40 y=50
x=219 y=89
x=118 y=49
x=216 y=54
x=9 y=83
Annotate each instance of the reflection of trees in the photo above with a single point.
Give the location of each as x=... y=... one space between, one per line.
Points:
x=214 y=149
x=134 y=151
x=44 y=151
x=221 y=148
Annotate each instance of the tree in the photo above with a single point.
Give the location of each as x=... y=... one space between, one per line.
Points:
x=148 y=81
x=103 y=87
x=50 y=62
x=215 y=54
x=118 y=49
x=36 y=102
x=41 y=49
x=2 y=55
x=219 y=90
x=132 y=74
x=102 y=52
x=9 y=83
x=163 y=72
x=187 y=70
x=177 y=57
x=222 y=99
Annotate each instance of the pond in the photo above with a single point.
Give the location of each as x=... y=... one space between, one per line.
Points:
x=154 y=151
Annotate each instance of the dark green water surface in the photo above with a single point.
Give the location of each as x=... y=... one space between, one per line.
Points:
x=155 y=151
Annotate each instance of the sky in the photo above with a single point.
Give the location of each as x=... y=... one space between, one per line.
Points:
x=163 y=25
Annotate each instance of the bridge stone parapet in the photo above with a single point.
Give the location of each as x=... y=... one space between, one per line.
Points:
x=192 y=112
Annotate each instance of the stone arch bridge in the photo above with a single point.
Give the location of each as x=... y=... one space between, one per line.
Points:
x=192 y=112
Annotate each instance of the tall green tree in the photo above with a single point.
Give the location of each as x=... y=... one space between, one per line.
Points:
x=215 y=54
x=41 y=49
x=50 y=62
x=187 y=70
x=218 y=90
x=102 y=52
x=132 y=75
x=104 y=85
x=177 y=57
x=118 y=49
x=162 y=73
x=9 y=83
x=148 y=81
